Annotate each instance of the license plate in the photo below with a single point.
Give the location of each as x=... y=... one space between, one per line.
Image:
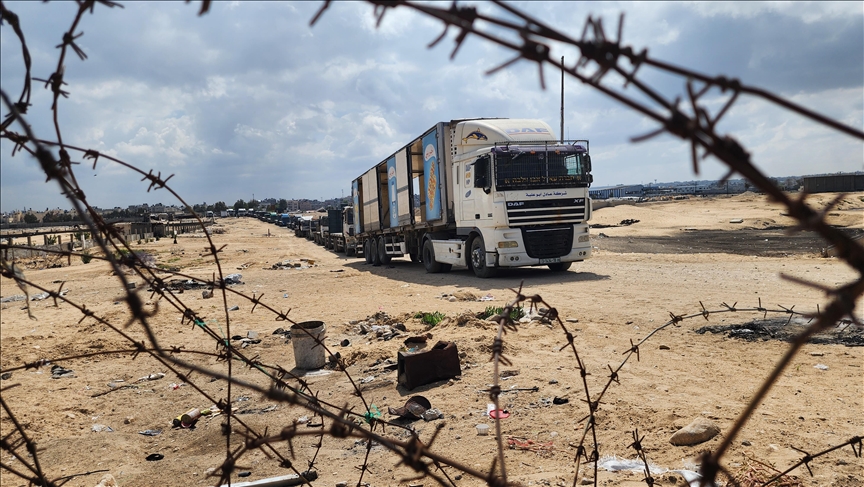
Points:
x=553 y=260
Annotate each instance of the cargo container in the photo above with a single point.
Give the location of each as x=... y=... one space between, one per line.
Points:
x=492 y=193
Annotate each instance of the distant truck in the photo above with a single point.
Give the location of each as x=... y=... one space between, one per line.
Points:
x=493 y=193
x=345 y=241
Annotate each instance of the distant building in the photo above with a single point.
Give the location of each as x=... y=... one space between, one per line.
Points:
x=834 y=183
x=620 y=191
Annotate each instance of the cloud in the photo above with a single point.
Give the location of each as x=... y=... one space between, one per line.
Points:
x=250 y=98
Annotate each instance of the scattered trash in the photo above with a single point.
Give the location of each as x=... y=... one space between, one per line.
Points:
x=153 y=457
x=155 y=376
x=98 y=428
x=233 y=279
x=499 y=414
x=440 y=362
x=58 y=372
x=417 y=340
x=233 y=308
x=508 y=373
x=519 y=443
x=615 y=464
x=12 y=299
x=736 y=220
x=345 y=343
x=560 y=400
x=820 y=367
x=432 y=414
x=482 y=429
x=174 y=386
x=6 y=376
x=281 y=481
x=187 y=419
x=252 y=334
x=338 y=270
x=150 y=432
x=414 y=408
x=487 y=297
x=207 y=293
x=244 y=474
x=258 y=411
x=303 y=420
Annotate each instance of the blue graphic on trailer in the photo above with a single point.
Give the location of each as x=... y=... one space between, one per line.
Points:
x=358 y=229
x=431 y=176
x=391 y=192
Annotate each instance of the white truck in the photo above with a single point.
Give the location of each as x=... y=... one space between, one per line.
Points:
x=492 y=193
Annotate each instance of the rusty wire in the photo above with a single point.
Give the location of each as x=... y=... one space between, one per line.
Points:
x=600 y=56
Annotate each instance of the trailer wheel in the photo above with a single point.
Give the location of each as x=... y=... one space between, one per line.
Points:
x=559 y=266
x=382 y=252
x=367 y=252
x=373 y=252
x=477 y=259
x=429 y=262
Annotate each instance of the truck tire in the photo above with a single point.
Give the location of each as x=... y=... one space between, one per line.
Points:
x=559 y=266
x=367 y=254
x=373 y=252
x=477 y=259
x=432 y=267
x=383 y=258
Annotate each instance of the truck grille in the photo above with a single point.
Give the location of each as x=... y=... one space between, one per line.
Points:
x=544 y=243
x=546 y=212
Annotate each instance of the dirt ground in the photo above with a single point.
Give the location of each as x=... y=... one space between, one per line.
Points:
x=678 y=255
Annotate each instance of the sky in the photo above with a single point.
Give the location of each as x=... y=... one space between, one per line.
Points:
x=248 y=99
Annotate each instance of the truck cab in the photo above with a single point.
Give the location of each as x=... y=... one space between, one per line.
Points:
x=520 y=197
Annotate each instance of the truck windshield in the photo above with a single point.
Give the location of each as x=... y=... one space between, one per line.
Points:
x=530 y=169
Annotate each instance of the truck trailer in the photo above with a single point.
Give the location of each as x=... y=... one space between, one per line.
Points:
x=492 y=193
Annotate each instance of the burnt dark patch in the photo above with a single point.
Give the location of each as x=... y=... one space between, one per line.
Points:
x=779 y=329
x=768 y=242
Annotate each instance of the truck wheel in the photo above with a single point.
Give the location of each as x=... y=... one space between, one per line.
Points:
x=429 y=263
x=477 y=259
x=382 y=252
x=559 y=266
x=373 y=252
x=367 y=254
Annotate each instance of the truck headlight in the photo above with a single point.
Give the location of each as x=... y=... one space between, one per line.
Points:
x=508 y=244
x=584 y=238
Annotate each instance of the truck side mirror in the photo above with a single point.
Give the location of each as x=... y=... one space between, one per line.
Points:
x=587 y=163
x=481 y=174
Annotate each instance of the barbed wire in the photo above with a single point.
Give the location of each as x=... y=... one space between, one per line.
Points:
x=599 y=57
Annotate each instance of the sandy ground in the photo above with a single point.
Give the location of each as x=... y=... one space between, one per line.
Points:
x=626 y=290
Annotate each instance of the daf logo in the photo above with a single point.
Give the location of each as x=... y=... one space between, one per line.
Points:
x=511 y=204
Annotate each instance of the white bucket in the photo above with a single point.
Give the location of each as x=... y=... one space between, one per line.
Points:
x=308 y=353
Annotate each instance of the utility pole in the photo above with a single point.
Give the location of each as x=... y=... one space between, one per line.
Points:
x=562 y=99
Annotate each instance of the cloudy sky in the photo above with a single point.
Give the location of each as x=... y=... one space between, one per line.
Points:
x=249 y=99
